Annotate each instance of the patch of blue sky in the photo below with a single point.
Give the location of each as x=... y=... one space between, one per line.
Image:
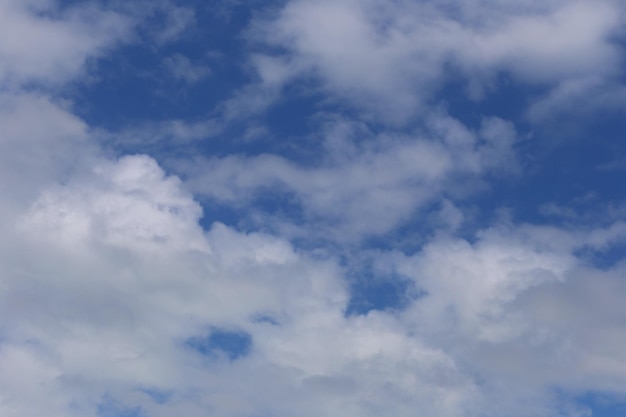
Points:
x=266 y=318
x=377 y=293
x=110 y=407
x=374 y=287
x=231 y=344
x=563 y=176
x=134 y=84
x=501 y=96
x=604 y=258
x=603 y=405
x=157 y=395
x=564 y=160
x=272 y=201
x=214 y=211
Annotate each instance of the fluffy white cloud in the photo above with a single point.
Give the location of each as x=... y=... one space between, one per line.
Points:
x=108 y=275
x=40 y=42
x=508 y=309
x=389 y=57
x=114 y=266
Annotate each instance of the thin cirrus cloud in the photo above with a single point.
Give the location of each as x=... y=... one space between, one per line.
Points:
x=125 y=292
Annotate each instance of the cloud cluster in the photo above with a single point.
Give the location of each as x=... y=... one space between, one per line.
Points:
x=365 y=183
x=114 y=266
x=107 y=276
x=389 y=58
x=111 y=292
x=509 y=306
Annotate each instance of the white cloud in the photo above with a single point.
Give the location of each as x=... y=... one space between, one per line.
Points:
x=524 y=315
x=133 y=203
x=468 y=285
x=389 y=57
x=119 y=271
x=52 y=45
x=36 y=154
x=365 y=184
x=108 y=274
x=114 y=266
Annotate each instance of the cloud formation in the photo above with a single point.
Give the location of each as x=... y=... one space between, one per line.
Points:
x=365 y=184
x=43 y=42
x=123 y=292
x=389 y=58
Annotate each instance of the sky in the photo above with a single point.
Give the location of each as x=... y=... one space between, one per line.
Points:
x=312 y=208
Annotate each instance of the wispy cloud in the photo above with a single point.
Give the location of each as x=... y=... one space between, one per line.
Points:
x=183 y=69
x=391 y=57
x=365 y=184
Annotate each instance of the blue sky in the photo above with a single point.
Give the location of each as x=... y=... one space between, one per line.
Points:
x=311 y=208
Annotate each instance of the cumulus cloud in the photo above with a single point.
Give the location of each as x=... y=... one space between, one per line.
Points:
x=125 y=275
x=505 y=305
x=113 y=265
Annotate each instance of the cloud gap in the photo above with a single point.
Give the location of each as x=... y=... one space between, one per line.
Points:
x=219 y=342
